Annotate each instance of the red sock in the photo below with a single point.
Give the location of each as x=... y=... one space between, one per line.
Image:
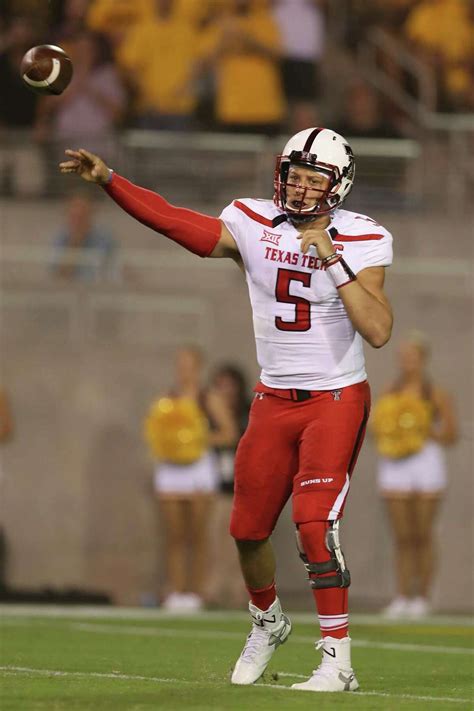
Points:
x=264 y=597
x=332 y=604
x=333 y=611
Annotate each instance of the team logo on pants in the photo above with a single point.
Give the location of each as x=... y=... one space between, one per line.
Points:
x=336 y=395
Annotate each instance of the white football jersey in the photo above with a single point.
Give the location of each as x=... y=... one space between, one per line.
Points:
x=304 y=336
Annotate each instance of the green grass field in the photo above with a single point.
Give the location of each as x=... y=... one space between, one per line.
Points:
x=63 y=659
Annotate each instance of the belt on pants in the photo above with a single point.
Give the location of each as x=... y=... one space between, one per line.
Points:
x=289 y=393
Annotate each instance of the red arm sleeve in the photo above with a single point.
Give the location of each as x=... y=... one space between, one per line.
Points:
x=196 y=232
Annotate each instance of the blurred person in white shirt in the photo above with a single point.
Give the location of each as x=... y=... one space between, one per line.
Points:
x=302 y=27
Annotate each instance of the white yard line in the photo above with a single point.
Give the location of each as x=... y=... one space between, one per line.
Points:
x=141 y=613
x=299 y=639
x=407 y=647
x=111 y=629
x=10 y=670
x=97 y=628
x=99 y=675
x=155 y=632
x=381 y=694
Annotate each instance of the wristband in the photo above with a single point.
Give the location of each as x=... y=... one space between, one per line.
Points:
x=340 y=273
x=328 y=259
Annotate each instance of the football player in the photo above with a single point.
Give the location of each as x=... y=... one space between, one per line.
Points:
x=315 y=274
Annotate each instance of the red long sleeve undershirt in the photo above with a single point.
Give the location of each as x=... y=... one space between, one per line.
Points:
x=196 y=232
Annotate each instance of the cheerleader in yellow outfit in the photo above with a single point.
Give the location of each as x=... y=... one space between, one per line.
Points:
x=181 y=429
x=413 y=422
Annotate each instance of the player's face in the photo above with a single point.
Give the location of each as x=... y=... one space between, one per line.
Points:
x=304 y=188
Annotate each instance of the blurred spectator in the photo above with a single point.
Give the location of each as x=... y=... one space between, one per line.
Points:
x=387 y=15
x=37 y=12
x=441 y=32
x=413 y=423
x=17 y=104
x=93 y=104
x=116 y=18
x=302 y=28
x=20 y=160
x=242 y=47
x=229 y=381
x=81 y=235
x=186 y=492
x=361 y=16
x=157 y=56
x=363 y=114
x=70 y=20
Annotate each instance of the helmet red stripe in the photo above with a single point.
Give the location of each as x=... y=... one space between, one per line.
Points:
x=310 y=139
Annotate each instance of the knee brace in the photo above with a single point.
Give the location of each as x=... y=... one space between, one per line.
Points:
x=318 y=570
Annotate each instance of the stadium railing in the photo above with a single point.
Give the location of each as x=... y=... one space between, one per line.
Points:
x=453 y=131
x=208 y=168
x=417 y=107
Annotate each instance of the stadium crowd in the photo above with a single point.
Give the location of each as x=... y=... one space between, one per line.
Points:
x=259 y=66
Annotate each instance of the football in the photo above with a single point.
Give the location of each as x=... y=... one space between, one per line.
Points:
x=46 y=69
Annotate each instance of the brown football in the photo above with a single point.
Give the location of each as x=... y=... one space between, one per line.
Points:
x=46 y=69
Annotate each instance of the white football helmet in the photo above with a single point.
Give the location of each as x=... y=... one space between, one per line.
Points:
x=328 y=153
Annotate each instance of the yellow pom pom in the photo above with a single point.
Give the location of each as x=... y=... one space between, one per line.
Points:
x=401 y=423
x=176 y=430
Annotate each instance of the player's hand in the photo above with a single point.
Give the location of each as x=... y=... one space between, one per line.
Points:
x=89 y=166
x=317 y=238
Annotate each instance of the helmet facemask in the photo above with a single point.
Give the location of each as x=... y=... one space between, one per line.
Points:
x=329 y=198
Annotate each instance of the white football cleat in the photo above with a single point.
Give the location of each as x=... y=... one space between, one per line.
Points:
x=270 y=629
x=335 y=672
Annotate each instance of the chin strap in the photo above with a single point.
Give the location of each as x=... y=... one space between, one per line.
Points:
x=299 y=218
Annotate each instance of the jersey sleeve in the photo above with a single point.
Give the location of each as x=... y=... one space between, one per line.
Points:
x=235 y=221
x=376 y=252
x=371 y=247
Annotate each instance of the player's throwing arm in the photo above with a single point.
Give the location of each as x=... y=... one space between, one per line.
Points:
x=203 y=235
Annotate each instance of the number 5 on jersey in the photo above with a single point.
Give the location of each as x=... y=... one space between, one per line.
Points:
x=302 y=320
